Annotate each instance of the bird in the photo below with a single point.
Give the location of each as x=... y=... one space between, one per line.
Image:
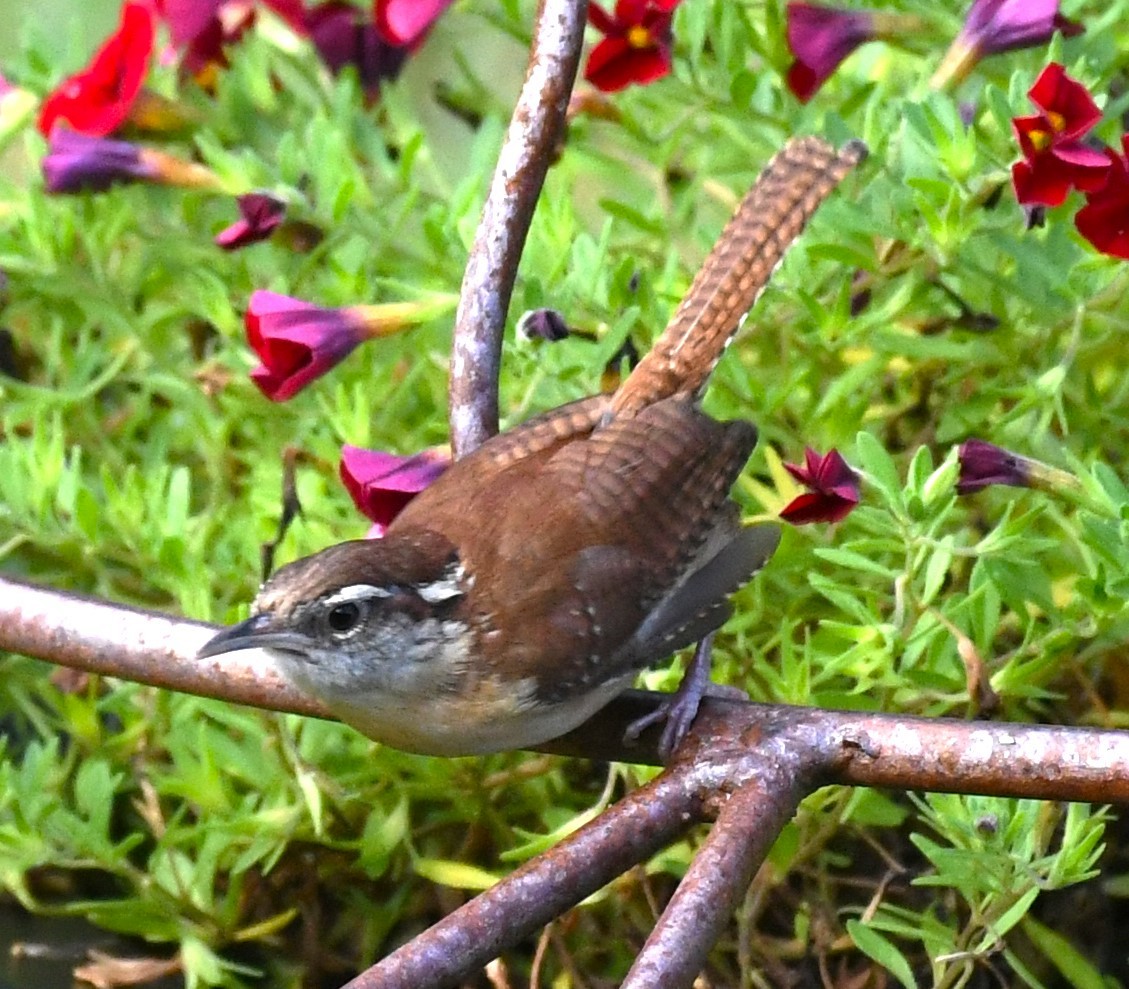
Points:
x=520 y=592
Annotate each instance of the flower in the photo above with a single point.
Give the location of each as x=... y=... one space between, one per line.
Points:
x=820 y=38
x=98 y=100
x=343 y=36
x=201 y=29
x=381 y=484
x=259 y=215
x=834 y=489
x=1054 y=159
x=75 y=162
x=1104 y=220
x=542 y=324
x=994 y=26
x=983 y=464
x=297 y=342
x=405 y=23
x=636 y=44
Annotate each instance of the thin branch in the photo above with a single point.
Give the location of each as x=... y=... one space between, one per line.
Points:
x=628 y=832
x=719 y=876
x=530 y=144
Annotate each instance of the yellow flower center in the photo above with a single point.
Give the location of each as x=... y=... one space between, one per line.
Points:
x=1040 y=139
x=1056 y=120
x=639 y=37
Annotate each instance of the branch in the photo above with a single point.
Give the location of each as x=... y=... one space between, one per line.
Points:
x=748 y=764
x=1047 y=761
x=528 y=150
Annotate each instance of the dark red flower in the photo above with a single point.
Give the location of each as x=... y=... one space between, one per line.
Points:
x=344 y=35
x=834 y=489
x=259 y=215
x=97 y=100
x=820 y=38
x=297 y=341
x=381 y=484
x=405 y=23
x=1104 y=220
x=636 y=44
x=1054 y=158
x=75 y=162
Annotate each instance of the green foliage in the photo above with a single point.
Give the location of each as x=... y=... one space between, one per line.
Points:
x=138 y=462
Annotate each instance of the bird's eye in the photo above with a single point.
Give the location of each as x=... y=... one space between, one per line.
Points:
x=344 y=617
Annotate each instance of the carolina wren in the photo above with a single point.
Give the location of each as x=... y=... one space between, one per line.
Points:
x=520 y=592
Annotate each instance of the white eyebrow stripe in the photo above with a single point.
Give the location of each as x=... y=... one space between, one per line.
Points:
x=447 y=587
x=357 y=592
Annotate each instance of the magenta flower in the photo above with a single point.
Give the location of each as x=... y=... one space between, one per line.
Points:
x=1104 y=220
x=381 y=484
x=1054 y=157
x=994 y=26
x=834 y=489
x=405 y=23
x=820 y=38
x=260 y=215
x=297 y=342
x=636 y=43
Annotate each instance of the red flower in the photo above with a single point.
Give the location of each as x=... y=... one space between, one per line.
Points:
x=820 y=38
x=297 y=341
x=1054 y=159
x=381 y=484
x=1104 y=220
x=636 y=46
x=97 y=100
x=405 y=23
x=259 y=214
x=834 y=489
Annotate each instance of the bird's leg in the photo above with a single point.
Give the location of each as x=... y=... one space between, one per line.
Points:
x=679 y=709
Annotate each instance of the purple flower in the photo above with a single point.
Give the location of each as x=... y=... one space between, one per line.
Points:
x=260 y=215
x=834 y=489
x=75 y=162
x=983 y=464
x=994 y=26
x=381 y=484
x=542 y=324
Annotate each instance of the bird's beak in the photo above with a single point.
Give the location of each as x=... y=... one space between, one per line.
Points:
x=257 y=632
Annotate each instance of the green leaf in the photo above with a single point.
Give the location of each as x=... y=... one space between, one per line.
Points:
x=875 y=946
